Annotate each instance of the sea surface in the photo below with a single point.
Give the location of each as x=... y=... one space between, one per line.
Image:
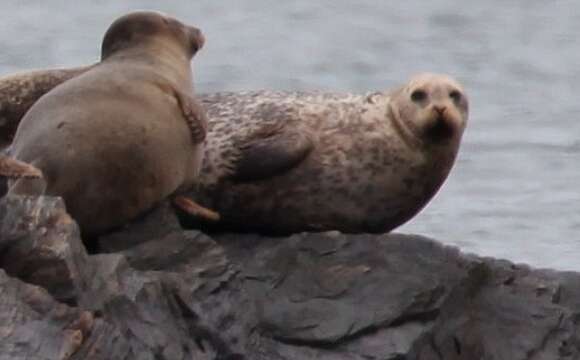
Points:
x=514 y=191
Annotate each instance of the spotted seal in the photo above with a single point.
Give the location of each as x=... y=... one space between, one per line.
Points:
x=281 y=162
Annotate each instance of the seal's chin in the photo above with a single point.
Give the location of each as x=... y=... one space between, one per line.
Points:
x=440 y=129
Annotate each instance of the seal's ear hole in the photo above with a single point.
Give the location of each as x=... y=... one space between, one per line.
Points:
x=418 y=95
x=455 y=95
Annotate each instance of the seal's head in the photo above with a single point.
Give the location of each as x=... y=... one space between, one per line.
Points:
x=431 y=108
x=143 y=27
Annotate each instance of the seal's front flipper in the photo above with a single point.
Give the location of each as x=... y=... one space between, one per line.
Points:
x=194 y=115
x=196 y=210
x=12 y=168
x=271 y=151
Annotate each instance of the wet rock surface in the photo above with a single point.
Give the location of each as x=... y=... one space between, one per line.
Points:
x=157 y=291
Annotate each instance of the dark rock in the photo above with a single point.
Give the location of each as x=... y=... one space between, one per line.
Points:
x=157 y=223
x=3 y=186
x=3 y=180
x=151 y=314
x=322 y=295
x=501 y=312
x=35 y=326
x=40 y=244
x=162 y=292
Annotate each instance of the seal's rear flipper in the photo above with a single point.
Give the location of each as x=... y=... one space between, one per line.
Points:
x=12 y=168
x=196 y=210
x=271 y=151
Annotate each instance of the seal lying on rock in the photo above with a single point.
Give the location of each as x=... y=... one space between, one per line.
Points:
x=291 y=162
x=280 y=162
x=123 y=135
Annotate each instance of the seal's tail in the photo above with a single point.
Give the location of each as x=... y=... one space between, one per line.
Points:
x=12 y=168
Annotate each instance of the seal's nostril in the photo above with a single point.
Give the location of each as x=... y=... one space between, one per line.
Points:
x=439 y=108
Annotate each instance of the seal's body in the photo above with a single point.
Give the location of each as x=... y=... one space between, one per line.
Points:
x=123 y=135
x=289 y=162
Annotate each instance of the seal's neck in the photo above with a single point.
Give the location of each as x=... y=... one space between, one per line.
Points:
x=168 y=57
x=433 y=147
x=406 y=134
x=438 y=158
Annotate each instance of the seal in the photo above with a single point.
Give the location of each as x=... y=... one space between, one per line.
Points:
x=124 y=134
x=284 y=162
x=290 y=162
x=18 y=92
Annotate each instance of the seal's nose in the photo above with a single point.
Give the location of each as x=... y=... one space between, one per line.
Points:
x=440 y=108
x=198 y=37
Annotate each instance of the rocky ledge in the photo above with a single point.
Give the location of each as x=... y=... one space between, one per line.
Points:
x=157 y=291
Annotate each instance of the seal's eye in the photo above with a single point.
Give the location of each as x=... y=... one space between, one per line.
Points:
x=455 y=95
x=418 y=95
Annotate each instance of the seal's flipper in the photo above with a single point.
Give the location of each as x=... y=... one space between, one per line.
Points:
x=194 y=115
x=196 y=210
x=12 y=168
x=271 y=151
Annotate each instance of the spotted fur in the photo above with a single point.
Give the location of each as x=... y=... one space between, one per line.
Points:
x=361 y=176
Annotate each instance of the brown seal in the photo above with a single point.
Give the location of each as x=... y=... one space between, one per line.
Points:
x=282 y=162
x=124 y=134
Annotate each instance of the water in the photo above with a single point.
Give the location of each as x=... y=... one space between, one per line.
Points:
x=513 y=192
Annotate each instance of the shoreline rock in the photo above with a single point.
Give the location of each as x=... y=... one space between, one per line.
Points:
x=162 y=292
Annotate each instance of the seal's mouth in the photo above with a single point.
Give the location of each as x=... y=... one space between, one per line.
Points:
x=442 y=129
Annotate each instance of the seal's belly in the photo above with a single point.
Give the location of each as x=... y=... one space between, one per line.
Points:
x=330 y=190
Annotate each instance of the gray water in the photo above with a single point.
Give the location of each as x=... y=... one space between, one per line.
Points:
x=513 y=192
